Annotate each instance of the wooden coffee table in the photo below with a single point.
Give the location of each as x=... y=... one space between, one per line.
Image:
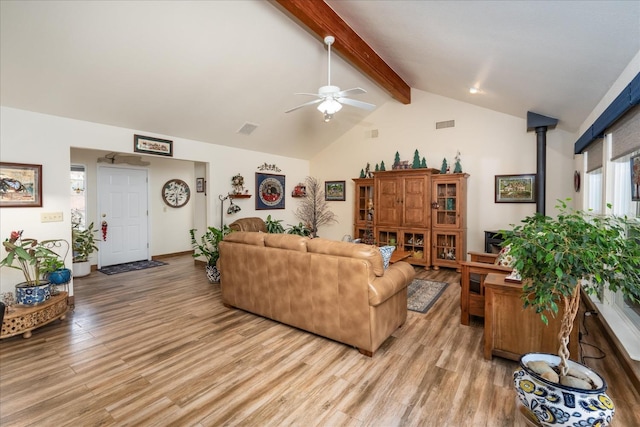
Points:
x=399 y=256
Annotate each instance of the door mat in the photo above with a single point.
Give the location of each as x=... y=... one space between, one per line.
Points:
x=130 y=266
x=422 y=294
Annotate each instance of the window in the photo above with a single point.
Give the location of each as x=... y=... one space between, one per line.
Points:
x=78 y=195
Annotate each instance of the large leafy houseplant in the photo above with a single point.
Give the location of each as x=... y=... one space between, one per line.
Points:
x=207 y=245
x=556 y=257
x=83 y=242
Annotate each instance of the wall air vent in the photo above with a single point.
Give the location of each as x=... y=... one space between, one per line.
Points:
x=446 y=124
x=247 y=128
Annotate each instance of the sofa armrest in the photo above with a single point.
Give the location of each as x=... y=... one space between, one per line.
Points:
x=395 y=278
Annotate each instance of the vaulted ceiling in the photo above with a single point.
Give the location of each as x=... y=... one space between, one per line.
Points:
x=201 y=70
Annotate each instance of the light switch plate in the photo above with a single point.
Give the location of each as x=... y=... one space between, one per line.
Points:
x=51 y=217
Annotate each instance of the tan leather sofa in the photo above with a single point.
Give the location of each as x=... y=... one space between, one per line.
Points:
x=338 y=290
x=249 y=224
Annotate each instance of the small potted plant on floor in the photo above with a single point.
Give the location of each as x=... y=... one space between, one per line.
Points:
x=556 y=258
x=36 y=260
x=208 y=247
x=83 y=245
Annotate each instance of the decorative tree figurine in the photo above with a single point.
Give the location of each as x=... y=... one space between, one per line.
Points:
x=457 y=168
x=313 y=210
x=424 y=163
x=416 y=160
x=362 y=175
x=377 y=169
x=382 y=168
x=444 y=167
x=396 y=160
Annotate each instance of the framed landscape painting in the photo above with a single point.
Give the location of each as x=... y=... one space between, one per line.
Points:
x=20 y=185
x=516 y=188
x=334 y=190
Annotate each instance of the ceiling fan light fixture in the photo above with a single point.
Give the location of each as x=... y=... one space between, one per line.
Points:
x=327 y=117
x=329 y=106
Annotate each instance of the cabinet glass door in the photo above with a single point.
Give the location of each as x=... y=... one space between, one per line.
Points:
x=446 y=204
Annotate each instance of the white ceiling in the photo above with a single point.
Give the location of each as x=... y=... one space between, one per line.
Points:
x=200 y=70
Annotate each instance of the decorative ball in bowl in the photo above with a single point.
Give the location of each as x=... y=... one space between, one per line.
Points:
x=556 y=404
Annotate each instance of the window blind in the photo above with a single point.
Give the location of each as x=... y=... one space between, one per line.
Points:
x=594 y=155
x=626 y=134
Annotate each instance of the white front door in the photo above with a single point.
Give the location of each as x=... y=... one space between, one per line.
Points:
x=122 y=207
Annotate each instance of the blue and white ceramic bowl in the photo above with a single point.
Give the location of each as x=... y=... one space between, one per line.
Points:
x=28 y=294
x=558 y=405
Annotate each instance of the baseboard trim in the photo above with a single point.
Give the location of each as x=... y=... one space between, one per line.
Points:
x=159 y=257
x=630 y=366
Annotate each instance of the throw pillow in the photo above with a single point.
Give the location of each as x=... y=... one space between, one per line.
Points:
x=504 y=258
x=386 y=252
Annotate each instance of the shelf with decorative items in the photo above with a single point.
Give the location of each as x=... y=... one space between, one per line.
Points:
x=417 y=243
x=364 y=210
x=448 y=219
x=239 y=196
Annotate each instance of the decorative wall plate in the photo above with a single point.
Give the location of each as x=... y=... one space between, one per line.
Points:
x=176 y=193
x=270 y=191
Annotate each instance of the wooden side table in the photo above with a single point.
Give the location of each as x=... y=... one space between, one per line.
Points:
x=24 y=319
x=398 y=255
x=511 y=331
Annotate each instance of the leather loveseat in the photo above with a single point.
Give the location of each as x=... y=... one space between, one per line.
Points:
x=249 y=224
x=338 y=290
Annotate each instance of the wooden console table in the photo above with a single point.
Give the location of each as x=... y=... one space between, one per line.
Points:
x=511 y=331
x=24 y=319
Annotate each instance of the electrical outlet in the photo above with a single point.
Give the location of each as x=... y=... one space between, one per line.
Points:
x=51 y=217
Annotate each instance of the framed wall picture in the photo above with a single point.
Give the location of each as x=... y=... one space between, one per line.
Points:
x=635 y=178
x=334 y=190
x=270 y=191
x=20 y=185
x=516 y=188
x=199 y=185
x=149 y=145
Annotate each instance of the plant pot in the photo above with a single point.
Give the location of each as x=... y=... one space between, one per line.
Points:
x=81 y=269
x=60 y=276
x=558 y=405
x=213 y=274
x=30 y=294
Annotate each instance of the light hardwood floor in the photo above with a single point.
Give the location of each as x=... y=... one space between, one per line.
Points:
x=157 y=347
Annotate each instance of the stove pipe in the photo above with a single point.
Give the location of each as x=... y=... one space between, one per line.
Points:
x=540 y=124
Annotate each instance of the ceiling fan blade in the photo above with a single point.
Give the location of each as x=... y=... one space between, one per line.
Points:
x=315 y=101
x=358 y=104
x=352 y=91
x=309 y=94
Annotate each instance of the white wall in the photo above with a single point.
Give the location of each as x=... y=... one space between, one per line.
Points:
x=27 y=137
x=490 y=144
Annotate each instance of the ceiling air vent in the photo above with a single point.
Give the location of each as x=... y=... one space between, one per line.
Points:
x=446 y=124
x=247 y=128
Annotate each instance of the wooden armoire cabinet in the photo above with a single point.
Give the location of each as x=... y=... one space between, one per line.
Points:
x=416 y=210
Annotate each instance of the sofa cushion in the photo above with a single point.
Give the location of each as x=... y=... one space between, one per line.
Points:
x=360 y=251
x=246 y=237
x=286 y=241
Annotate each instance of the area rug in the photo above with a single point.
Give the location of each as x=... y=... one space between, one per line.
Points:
x=423 y=293
x=130 y=266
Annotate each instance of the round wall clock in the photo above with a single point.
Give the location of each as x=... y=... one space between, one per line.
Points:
x=176 y=193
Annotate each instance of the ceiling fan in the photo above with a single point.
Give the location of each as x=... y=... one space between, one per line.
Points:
x=330 y=97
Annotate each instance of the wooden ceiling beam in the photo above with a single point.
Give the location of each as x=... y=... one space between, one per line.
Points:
x=320 y=19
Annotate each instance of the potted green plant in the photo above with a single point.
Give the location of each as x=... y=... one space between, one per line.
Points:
x=36 y=260
x=274 y=226
x=208 y=247
x=556 y=258
x=300 y=230
x=83 y=245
